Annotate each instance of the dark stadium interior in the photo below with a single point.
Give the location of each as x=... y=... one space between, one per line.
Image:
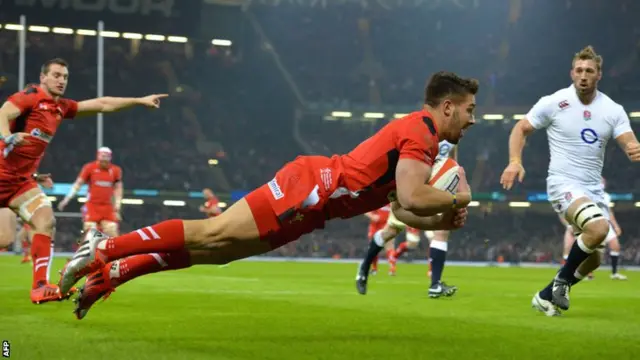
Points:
x=238 y=104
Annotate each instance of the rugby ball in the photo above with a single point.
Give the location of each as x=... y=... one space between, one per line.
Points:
x=444 y=175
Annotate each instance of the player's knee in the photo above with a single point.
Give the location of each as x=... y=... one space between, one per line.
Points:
x=44 y=224
x=89 y=225
x=614 y=245
x=6 y=239
x=110 y=228
x=595 y=232
x=441 y=235
x=206 y=234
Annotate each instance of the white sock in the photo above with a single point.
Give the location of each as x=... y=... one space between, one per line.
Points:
x=440 y=245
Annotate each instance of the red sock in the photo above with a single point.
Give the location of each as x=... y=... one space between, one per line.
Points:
x=391 y=255
x=25 y=248
x=131 y=267
x=42 y=254
x=374 y=263
x=401 y=248
x=165 y=237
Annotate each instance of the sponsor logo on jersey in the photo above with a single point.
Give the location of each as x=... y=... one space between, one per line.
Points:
x=589 y=136
x=103 y=183
x=275 y=189
x=325 y=175
x=563 y=104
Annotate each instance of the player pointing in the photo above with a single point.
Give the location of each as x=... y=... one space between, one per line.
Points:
x=579 y=121
x=392 y=165
x=28 y=121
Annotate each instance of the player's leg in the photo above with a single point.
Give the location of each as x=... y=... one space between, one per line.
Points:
x=33 y=206
x=25 y=241
x=110 y=228
x=568 y=239
x=380 y=239
x=411 y=242
x=438 y=256
x=614 y=254
x=232 y=235
x=7 y=227
x=587 y=216
x=543 y=300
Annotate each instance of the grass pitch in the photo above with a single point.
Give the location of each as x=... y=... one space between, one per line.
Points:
x=264 y=310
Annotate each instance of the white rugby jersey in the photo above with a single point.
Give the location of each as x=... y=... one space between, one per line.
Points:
x=578 y=133
x=444 y=149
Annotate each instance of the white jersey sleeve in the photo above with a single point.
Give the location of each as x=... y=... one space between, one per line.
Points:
x=621 y=124
x=540 y=115
x=607 y=199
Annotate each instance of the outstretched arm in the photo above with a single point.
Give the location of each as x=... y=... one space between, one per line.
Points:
x=112 y=104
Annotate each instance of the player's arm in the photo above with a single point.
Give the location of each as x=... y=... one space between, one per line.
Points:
x=118 y=193
x=625 y=136
x=538 y=117
x=415 y=196
x=109 y=104
x=8 y=113
x=452 y=219
x=85 y=173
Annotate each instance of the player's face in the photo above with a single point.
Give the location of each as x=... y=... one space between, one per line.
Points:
x=462 y=117
x=55 y=81
x=104 y=160
x=585 y=76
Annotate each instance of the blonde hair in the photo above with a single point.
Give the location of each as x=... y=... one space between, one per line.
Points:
x=588 y=53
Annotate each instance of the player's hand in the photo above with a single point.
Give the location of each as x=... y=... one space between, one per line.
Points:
x=45 y=180
x=463 y=185
x=513 y=170
x=14 y=140
x=633 y=151
x=63 y=204
x=453 y=219
x=152 y=101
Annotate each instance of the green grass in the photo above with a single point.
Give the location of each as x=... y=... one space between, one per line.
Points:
x=259 y=310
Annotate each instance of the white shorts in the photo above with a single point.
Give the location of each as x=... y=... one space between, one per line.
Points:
x=563 y=193
x=394 y=222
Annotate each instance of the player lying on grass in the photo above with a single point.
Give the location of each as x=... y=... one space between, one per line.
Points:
x=393 y=165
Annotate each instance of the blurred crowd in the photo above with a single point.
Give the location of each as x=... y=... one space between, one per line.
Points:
x=237 y=105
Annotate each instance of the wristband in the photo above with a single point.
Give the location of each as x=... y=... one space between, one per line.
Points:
x=34 y=176
x=455 y=201
x=515 y=160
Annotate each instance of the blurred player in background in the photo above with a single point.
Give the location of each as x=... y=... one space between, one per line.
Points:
x=393 y=165
x=104 y=198
x=28 y=121
x=211 y=206
x=389 y=232
x=612 y=241
x=579 y=121
x=377 y=221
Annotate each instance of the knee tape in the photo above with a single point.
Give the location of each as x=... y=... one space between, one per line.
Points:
x=587 y=213
x=29 y=207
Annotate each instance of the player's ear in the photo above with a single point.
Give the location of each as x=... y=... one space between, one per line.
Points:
x=447 y=107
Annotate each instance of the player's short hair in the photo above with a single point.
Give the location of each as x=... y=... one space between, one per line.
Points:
x=444 y=84
x=588 y=53
x=57 y=61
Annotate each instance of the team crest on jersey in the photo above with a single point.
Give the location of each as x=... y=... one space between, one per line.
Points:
x=568 y=196
x=563 y=104
x=586 y=115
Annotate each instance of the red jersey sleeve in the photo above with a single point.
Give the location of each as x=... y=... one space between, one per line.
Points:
x=24 y=100
x=415 y=141
x=85 y=173
x=69 y=108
